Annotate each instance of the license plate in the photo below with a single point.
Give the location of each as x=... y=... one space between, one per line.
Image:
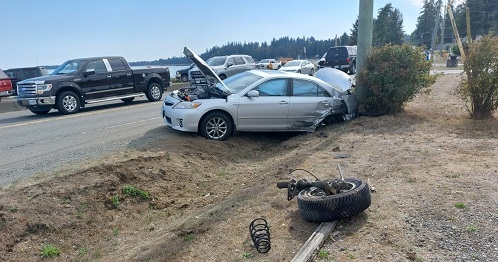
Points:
x=32 y=102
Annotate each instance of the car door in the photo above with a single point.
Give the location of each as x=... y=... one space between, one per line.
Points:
x=238 y=66
x=308 y=104
x=268 y=111
x=95 y=82
x=121 y=77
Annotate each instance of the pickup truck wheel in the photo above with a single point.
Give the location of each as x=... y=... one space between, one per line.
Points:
x=39 y=111
x=216 y=126
x=68 y=103
x=154 y=92
x=184 y=78
x=128 y=99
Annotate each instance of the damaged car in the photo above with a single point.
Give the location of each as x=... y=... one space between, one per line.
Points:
x=259 y=100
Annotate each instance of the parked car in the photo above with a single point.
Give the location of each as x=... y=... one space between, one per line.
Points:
x=268 y=64
x=321 y=62
x=5 y=85
x=223 y=66
x=82 y=81
x=258 y=100
x=299 y=66
x=19 y=74
x=182 y=74
x=342 y=58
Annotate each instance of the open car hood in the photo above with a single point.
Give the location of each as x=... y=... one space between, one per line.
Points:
x=205 y=69
x=335 y=78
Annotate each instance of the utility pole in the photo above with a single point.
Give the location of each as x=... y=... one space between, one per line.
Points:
x=442 y=30
x=365 y=32
x=434 y=32
x=455 y=31
x=467 y=16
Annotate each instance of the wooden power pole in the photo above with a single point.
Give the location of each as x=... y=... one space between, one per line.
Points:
x=455 y=31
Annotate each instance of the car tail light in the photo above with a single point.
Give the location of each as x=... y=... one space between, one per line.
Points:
x=347 y=60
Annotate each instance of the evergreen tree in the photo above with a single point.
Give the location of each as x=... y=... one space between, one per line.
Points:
x=388 y=27
x=425 y=24
x=353 y=39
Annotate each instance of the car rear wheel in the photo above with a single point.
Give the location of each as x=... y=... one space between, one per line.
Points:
x=312 y=72
x=154 y=92
x=68 y=103
x=216 y=126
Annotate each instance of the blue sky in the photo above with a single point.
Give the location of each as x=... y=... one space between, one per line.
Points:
x=50 y=32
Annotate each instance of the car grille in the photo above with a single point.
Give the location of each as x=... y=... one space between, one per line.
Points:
x=26 y=90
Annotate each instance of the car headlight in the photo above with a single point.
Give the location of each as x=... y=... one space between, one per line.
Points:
x=43 y=88
x=187 y=105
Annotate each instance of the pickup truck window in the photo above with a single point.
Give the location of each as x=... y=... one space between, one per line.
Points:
x=117 y=64
x=68 y=67
x=98 y=66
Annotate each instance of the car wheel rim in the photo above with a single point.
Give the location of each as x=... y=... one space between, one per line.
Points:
x=216 y=128
x=155 y=92
x=69 y=103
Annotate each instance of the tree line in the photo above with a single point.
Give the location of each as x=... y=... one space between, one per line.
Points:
x=387 y=29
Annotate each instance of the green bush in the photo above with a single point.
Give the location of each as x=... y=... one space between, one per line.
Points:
x=479 y=88
x=393 y=76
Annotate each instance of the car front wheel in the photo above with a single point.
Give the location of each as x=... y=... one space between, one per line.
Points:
x=216 y=126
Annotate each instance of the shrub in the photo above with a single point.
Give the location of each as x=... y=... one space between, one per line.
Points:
x=479 y=89
x=392 y=77
x=132 y=191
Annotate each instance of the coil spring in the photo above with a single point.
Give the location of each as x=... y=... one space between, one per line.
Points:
x=260 y=235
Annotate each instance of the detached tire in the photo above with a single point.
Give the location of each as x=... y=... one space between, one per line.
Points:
x=334 y=207
x=154 y=92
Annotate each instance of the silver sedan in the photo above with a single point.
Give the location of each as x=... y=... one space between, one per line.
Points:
x=256 y=100
x=299 y=66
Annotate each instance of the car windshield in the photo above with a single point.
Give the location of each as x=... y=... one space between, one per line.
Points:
x=238 y=82
x=68 y=67
x=216 y=61
x=293 y=63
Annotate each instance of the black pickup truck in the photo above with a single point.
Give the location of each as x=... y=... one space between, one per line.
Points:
x=90 y=80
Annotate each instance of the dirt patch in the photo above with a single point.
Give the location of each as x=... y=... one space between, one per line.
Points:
x=435 y=172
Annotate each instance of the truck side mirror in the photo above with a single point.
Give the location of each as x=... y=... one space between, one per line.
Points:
x=89 y=72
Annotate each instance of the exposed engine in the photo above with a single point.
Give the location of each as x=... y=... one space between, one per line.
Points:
x=199 y=92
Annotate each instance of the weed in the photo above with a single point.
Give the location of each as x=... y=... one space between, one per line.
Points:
x=471 y=228
x=132 y=191
x=188 y=237
x=13 y=209
x=351 y=256
x=115 y=201
x=418 y=259
x=246 y=255
x=323 y=254
x=49 y=251
x=83 y=251
x=460 y=205
x=115 y=231
x=79 y=215
x=474 y=257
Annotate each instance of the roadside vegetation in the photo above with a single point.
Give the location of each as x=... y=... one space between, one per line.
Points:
x=479 y=87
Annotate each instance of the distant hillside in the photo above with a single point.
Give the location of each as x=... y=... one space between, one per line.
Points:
x=282 y=47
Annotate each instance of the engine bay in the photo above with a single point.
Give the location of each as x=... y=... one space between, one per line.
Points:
x=193 y=93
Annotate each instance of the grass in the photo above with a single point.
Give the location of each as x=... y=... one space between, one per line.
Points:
x=115 y=201
x=132 y=191
x=460 y=205
x=83 y=251
x=188 y=237
x=13 y=209
x=323 y=254
x=246 y=255
x=471 y=228
x=49 y=251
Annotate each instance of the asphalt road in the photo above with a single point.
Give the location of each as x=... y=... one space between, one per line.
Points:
x=32 y=145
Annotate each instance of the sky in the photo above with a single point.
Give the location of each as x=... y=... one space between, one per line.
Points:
x=50 y=32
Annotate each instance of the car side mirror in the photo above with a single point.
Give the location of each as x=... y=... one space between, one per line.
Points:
x=89 y=72
x=253 y=93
